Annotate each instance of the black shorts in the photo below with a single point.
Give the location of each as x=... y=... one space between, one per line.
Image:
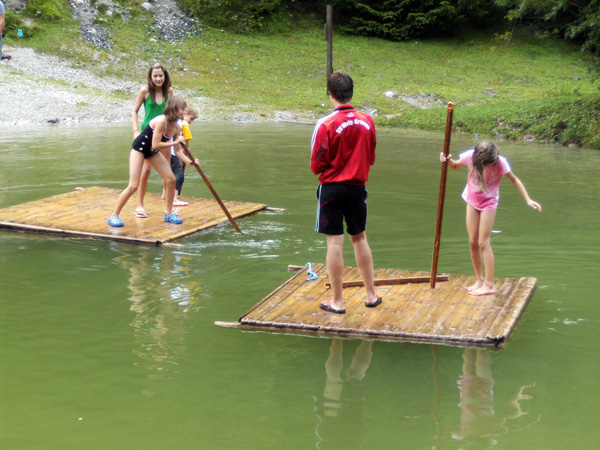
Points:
x=339 y=202
x=143 y=143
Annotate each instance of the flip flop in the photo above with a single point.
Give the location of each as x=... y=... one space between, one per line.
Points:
x=140 y=213
x=326 y=306
x=373 y=305
x=180 y=203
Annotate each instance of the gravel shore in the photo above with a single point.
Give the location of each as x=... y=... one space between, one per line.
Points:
x=41 y=89
x=36 y=89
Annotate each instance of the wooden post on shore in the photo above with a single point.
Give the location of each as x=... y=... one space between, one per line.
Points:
x=441 y=197
x=329 y=38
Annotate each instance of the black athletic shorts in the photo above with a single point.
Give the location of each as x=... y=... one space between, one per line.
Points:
x=339 y=202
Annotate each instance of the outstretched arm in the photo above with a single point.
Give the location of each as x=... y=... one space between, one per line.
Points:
x=517 y=183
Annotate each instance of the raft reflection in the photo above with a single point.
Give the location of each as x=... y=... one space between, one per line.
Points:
x=480 y=423
x=162 y=296
x=342 y=409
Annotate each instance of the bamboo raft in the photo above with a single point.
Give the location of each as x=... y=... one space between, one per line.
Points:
x=84 y=213
x=411 y=312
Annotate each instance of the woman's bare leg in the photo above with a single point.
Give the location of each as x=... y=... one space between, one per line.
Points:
x=136 y=162
x=143 y=184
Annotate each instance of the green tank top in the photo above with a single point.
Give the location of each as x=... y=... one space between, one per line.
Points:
x=151 y=110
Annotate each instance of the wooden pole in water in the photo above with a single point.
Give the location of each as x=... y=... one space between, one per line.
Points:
x=329 y=38
x=214 y=193
x=441 y=196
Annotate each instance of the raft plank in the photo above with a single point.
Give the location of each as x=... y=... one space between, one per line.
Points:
x=513 y=310
x=414 y=312
x=84 y=213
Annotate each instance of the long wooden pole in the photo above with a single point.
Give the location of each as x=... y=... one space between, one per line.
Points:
x=390 y=281
x=441 y=196
x=212 y=190
x=329 y=38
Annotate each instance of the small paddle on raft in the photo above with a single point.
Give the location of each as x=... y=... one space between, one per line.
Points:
x=441 y=197
x=212 y=190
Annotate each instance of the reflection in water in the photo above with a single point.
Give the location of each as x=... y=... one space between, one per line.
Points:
x=162 y=296
x=341 y=422
x=480 y=425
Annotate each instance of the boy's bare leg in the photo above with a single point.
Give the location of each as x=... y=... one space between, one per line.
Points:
x=364 y=260
x=335 y=268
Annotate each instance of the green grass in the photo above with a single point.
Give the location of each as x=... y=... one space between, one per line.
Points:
x=520 y=88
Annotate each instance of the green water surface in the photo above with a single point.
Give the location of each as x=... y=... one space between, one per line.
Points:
x=113 y=346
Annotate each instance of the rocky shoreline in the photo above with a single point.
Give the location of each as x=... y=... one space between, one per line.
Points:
x=37 y=89
x=40 y=89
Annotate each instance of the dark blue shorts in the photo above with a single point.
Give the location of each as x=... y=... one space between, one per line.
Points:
x=178 y=172
x=339 y=202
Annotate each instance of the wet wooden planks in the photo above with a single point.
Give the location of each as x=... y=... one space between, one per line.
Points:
x=413 y=312
x=84 y=212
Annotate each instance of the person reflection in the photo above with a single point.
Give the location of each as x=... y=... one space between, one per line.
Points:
x=161 y=298
x=480 y=425
x=341 y=421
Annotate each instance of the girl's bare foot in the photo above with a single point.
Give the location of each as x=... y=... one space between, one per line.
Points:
x=485 y=289
x=475 y=286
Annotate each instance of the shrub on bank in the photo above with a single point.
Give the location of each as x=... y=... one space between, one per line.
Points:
x=560 y=120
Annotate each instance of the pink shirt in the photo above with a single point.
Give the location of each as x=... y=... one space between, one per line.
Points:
x=483 y=198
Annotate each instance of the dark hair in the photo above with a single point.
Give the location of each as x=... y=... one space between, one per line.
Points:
x=340 y=86
x=173 y=104
x=165 y=86
x=485 y=154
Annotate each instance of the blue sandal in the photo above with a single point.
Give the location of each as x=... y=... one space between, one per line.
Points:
x=114 y=221
x=173 y=219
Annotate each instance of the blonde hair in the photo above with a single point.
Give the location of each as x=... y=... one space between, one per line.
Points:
x=192 y=111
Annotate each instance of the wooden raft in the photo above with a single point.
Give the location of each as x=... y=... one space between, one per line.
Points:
x=413 y=312
x=84 y=213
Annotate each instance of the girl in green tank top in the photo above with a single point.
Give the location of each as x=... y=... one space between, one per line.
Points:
x=152 y=110
x=154 y=97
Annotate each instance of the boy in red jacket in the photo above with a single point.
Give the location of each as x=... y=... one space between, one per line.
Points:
x=343 y=151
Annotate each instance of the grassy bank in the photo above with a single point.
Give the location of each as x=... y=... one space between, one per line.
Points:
x=520 y=88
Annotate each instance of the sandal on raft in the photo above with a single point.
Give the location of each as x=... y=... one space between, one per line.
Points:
x=173 y=219
x=326 y=306
x=114 y=221
x=375 y=303
x=140 y=213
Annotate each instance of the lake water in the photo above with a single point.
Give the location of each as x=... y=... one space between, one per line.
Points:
x=113 y=346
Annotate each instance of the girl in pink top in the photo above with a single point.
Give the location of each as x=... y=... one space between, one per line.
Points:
x=486 y=168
